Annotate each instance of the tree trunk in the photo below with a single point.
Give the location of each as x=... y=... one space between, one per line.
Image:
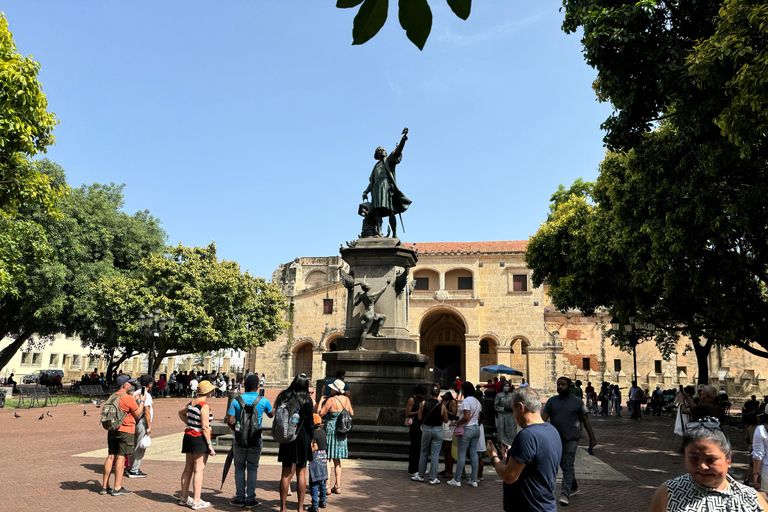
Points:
x=8 y=352
x=158 y=359
x=702 y=355
x=114 y=364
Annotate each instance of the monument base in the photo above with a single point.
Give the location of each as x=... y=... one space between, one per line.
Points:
x=379 y=378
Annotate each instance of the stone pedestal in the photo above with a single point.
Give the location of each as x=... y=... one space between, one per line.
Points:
x=385 y=373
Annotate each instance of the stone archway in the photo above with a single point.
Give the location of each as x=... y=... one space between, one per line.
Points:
x=302 y=360
x=443 y=340
x=518 y=357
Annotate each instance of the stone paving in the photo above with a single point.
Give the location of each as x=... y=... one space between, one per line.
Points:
x=55 y=464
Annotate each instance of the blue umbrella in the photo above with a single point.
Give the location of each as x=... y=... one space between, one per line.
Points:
x=500 y=368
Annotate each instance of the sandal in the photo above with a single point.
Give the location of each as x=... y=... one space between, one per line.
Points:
x=336 y=490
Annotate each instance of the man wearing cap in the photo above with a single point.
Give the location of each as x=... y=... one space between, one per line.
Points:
x=120 y=441
x=143 y=427
x=247 y=458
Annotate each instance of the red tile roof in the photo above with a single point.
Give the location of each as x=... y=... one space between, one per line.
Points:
x=469 y=247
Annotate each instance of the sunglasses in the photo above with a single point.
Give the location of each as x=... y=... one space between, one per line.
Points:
x=707 y=422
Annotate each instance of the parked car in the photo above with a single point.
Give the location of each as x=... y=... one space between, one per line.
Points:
x=34 y=378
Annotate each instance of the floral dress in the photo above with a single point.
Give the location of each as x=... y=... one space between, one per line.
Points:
x=337 y=445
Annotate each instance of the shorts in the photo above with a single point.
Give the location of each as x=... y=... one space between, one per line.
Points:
x=120 y=443
x=194 y=444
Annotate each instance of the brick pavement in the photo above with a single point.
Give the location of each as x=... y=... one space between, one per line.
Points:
x=38 y=470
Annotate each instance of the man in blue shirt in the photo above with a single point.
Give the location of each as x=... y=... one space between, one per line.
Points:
x=245 y=495
x=529 y=467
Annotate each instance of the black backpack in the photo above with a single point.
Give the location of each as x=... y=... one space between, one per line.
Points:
x=344 y=421
x=250 y=430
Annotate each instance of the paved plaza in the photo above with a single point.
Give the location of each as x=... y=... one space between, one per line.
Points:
x=55 y=464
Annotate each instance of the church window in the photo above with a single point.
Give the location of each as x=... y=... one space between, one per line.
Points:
x=465 y=283
x=657 y=366
x=422 y=283
x=585 y=364
x=327 y=306
x=520 y=283
x=617 y=365
x=485 y=347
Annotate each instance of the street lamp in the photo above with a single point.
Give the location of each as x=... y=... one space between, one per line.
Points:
x=154 y=326
x=636 y=334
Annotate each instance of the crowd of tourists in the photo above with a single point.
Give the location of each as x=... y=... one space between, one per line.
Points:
x=533 y=441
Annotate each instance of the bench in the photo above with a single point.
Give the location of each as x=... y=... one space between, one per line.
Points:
x=34 y=394
x=91 y=391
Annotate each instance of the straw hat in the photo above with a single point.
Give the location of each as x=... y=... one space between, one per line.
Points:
x=205 y=387
x=337 y=385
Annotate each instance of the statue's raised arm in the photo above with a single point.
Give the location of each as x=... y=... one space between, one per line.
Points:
x=399 y=149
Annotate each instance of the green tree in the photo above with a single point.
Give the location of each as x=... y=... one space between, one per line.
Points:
x=91 y=239
x=579 y=188
x=415 y=17
x=216 y=306
x=26 y=129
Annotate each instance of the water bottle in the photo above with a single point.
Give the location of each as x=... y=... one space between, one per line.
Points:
x=295 y=418
x=237 y=427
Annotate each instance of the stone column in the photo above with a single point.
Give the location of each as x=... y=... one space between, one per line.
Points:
x=472 y=357
x=207 y=364
x=225 y=365
x=101 y=365
x=86 y=363
x=189 y=363
x=171 y=365
x=136 y=371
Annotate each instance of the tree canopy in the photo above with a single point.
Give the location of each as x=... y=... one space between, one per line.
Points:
x=216 y=306
x=26 y=129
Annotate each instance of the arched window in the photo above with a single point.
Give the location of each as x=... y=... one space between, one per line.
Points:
x=485 y=347
x=523 y=347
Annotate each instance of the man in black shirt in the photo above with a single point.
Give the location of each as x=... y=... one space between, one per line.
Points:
x=529 y=467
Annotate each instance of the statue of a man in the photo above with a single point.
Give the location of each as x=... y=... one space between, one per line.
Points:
x=386 y=199
x=370 y=320
x=506 y=425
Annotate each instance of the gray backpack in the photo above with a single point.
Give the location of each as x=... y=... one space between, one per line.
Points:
x=112 y=416
x=285 y=426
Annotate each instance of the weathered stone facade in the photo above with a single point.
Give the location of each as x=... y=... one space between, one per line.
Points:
x=474 y=305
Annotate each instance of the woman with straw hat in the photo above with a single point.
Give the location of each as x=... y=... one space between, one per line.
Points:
x=196 y=444
x=337 y=445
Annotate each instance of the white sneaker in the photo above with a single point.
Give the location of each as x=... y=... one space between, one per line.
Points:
x=434 y=481
x=564 y=501
x=454 y=483
x=413 y=474
x=200 y=504
x=417 y=478
x=472 y=484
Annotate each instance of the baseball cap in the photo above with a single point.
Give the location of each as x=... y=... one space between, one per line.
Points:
x=146 y=380
x=122 y=379
x=316 y=419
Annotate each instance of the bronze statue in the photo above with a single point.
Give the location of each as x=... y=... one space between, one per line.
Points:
x=386 y=198
x=370 y=320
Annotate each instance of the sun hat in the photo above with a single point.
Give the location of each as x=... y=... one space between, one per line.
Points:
x=337 y=385
x=205 y=387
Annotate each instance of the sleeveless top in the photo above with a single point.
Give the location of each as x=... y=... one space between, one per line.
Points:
x=195 y=420
x=685 y=495
x=416 y=403
x=447 y=404
x=431 y=416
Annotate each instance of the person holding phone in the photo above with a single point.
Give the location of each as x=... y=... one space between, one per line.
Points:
x=143 y=426
x=196 y=445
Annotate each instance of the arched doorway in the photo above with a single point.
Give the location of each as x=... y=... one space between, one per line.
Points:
x=302 y=361
x=518 y=357
x=443 y=341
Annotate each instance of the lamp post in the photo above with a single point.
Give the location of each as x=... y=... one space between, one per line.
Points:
x=154 y=326
x=636 y=334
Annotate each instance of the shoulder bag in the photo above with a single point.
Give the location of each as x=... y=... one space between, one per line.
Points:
x=438 y=404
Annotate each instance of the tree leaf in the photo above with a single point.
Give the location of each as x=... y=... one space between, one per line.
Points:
x=416 y=20
x=461 y=8
x=369 y=20
x=346 y=4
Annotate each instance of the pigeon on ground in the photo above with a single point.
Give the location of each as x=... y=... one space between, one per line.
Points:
x=85 y=413
x=41 y=416
x=48 y=413
x=16 y=415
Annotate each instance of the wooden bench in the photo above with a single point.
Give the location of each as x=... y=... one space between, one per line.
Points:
x=34 y=394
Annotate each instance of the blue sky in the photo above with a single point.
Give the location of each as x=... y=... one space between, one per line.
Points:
x=253 y=124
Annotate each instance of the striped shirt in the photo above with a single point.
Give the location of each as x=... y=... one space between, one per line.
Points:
x=195 y=420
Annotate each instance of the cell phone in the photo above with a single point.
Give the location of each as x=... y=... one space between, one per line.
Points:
x=143 y=390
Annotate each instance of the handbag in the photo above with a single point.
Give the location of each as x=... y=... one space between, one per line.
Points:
x=459 y=429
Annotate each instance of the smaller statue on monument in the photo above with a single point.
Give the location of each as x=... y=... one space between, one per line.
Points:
x=371 y=320
x=386 y=198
